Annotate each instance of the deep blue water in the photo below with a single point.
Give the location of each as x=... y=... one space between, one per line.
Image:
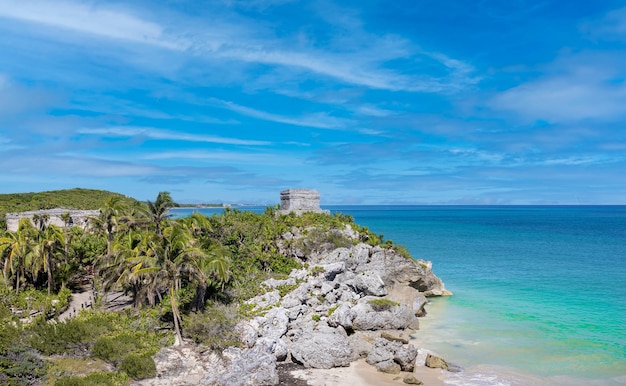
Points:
x=539 y=289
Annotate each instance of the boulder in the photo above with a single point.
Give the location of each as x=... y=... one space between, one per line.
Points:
x=385 y=351
x=266 y=300
x=397 y=317
x=247 y=368
x=388 y=366
x=273 y=283
x=368 y=283
x=435 y=362
x=342 y=316
x=274 y=323
x=405 y=357
x=411 y=380
x=183 y=366
x=322 y=349
x=276 y=347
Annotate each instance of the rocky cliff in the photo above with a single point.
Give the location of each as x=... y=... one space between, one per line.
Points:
x=349 y=302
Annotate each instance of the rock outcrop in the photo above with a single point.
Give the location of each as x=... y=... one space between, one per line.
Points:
x=356 y=301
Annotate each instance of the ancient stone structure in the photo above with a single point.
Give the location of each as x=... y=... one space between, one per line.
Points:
x=300 y=201
x=54 y=217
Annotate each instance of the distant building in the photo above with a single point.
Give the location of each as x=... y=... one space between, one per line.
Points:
x=77 y=217
x=300 y=201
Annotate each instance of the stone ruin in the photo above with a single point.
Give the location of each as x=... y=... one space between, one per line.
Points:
x=77 y=217
x=300 y=201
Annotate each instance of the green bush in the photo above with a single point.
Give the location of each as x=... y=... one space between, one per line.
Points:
x=382 y=304
x=20 y=365
x=139 y=366
x=214 y=328
x=316 y=317
x=95 y=379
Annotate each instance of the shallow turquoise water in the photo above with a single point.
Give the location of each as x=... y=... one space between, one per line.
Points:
x=539 y=291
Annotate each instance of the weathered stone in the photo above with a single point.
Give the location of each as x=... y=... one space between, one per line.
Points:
x=368 y=283
x=248 y=332
x=395 y=318
x=322 y=349
x=273 y=283
x=388 y=366
x=248 y=368
x=342 y=316
x=266 y=300
x=414 y=299
x=382 y=351
x=405 y=357
x=276 y=347
x=435 y=362
x=393 y=337
x=333 y=269
x=79 y=218
x=183 y=366
x=274 y=323
x=411 y=380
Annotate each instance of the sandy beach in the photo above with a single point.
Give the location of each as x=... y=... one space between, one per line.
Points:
x=359 y=373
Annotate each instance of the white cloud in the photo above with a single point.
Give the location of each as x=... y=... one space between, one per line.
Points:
x=573 y=90
x=88 y=18
x=129 y=132
x=319 y=120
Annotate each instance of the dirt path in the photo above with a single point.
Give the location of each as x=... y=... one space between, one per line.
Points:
x=112 y=301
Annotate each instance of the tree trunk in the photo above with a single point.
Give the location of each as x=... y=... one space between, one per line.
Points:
x=49 y=271
x=175 y=314
x=198 y=300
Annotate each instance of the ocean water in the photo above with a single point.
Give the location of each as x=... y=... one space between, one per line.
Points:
x=539 y=291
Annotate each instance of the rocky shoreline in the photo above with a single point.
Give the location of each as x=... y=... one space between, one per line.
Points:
x=350 y=303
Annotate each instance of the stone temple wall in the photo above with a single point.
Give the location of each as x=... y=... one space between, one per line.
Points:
x=77 y=217
x=300 y=201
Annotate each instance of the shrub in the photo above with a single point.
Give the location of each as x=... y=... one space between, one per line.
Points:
x=286 y=288
x=20 y=365
x=332 y=309
x=139 y=366
x=95 y=379
x=316 y=317
x=214 y=328
x=382 y=304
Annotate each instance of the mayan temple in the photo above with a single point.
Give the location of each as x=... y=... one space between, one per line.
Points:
x=300 y=201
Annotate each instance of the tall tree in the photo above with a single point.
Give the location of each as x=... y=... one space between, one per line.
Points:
x=17 y=249
x=50 y=242
x=159 y=209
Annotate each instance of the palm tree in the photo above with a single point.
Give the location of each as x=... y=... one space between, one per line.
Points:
x=17 y=249
x=159 y=208
x=49 y=241
x=212 y=269
x=176 y=255
x=109 y=218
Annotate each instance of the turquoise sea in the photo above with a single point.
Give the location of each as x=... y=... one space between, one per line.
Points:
x=539 y=291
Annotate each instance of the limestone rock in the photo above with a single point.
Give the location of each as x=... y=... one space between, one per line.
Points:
x=411 y=380
x=274 y=323
x=435 y=362
x=368 y=283
x=323 y=349
x=398 y=317
x=248 y=368
x=405 y=357
x=388 y=366
x=276 y=347
x=342 y=316
x=266 y=300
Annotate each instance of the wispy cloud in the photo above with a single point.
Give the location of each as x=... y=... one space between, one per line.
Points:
x=318 y=120
x=90 y=19
x=153 y=133
x=575 y=88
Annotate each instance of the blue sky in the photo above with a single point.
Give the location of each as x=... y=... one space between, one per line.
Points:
x=369 y=102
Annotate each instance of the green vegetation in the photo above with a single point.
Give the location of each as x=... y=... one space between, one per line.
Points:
x=70 y=198
x=188 y=279
x=382 y=304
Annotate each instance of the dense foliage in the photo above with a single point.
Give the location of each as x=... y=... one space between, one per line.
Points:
x=188 y=276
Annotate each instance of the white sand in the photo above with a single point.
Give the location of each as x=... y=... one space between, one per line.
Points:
x=361 y=374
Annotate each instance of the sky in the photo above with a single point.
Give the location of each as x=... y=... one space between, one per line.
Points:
x=369 y=102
